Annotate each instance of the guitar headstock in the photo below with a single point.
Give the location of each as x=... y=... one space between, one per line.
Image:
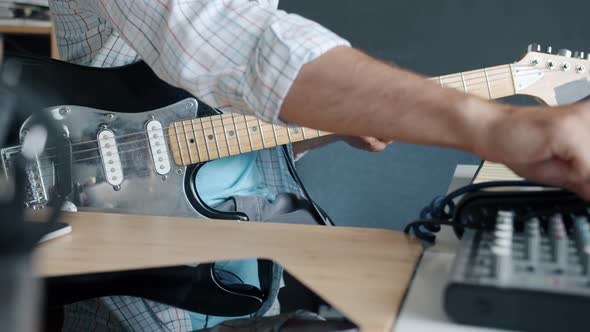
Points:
x=556 y=79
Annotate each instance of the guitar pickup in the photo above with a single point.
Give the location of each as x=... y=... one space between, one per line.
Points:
x=158 y=147
x=111 y=161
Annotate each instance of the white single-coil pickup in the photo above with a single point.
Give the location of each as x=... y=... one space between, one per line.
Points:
x=111 y=160
x=158 y=147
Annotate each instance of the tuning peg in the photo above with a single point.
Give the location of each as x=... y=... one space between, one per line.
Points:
x=588 y=56
x=579 y=55
x=549 y=49
x=534 y=47
x=565 y=52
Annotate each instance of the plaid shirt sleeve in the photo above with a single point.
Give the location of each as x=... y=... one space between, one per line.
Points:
x=239 y=55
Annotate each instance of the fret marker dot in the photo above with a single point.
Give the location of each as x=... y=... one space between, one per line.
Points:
x=254 y=128
x=210 y=137
x=155 y=136
x=231 y=133
x=192 y=141
x=296 y=131
x=109 y=153
x=157 y=143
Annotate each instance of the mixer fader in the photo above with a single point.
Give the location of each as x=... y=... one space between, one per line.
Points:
x=526 y=267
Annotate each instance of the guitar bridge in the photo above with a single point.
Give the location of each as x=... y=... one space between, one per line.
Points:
x=35 y=190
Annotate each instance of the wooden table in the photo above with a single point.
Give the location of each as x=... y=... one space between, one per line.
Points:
x=362 y=272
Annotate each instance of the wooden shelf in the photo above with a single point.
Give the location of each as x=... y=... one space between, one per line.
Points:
x=30 y=27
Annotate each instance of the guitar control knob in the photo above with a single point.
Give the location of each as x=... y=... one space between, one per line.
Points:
x=549 y=49
x=565 y=52
x=534 y=47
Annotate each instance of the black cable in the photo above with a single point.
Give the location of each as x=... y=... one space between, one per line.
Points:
x=321 y=215
x=441 y=209
x=423 y=222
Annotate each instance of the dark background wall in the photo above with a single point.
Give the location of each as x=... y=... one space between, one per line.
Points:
x=433 y=37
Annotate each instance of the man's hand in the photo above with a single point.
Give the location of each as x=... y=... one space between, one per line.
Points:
x=367 y=143
x=543 y=144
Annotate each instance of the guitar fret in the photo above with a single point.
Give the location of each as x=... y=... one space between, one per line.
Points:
x=464 y=84
x=485 y=73
x=196 y=140
x=237 y=134
x=303 y=132
x=249 y=135
x=215 y=136
x=261 y=133
x=512 y=76
x=205 y=140
x=225 y=134
x=440 y=81
x=289 y=135
x=179 y=144
x=190 y=155
x=274 y=131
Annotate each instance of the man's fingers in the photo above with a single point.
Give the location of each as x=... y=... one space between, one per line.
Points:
x=556 y=173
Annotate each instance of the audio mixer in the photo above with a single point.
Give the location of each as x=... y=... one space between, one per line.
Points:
x=523 y=262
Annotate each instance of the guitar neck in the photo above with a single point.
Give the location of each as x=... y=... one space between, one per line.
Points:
x=204 y=139
x=213 y=137
x=489 y=83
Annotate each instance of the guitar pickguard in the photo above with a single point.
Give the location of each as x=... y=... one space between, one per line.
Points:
x=113 y=166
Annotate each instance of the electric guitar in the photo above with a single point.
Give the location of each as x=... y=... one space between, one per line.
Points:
x=143 y=161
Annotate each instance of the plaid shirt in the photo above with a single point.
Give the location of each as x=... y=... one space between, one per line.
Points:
x=236 y=55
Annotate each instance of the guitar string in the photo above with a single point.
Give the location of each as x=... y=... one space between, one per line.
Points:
x=277 y=136
x=165 y=157
x=204 y=140
x=221 y=126
x=210 y=157
x=228 y=147
x=487 y=82
x=193 y=133
x=252 y=118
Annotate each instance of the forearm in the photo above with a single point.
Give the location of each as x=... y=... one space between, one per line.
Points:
x=347 y=92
